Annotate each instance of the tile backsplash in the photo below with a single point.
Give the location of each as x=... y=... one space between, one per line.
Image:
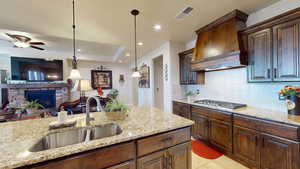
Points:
x=231 y=85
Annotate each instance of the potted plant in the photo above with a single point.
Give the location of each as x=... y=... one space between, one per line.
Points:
x=189 y=96
x=32 y=106
x=292 y=96
x=116 y=111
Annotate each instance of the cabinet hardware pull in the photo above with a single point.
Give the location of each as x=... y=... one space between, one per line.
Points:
x=275 y=72
x=167 y=139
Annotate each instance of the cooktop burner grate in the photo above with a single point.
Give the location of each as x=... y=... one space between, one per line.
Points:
x=221 y=104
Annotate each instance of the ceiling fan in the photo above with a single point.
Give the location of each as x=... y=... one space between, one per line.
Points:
x=21 y=41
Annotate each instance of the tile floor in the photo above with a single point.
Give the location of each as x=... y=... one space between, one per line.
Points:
x=220 y=163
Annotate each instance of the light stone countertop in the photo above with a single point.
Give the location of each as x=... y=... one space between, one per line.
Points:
x=17 y=137
x=271 y=115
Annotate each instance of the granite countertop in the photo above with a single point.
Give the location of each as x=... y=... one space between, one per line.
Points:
x=277 y=116
x=17 y=137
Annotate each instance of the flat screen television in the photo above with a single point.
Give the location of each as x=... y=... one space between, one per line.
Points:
x=36 y=70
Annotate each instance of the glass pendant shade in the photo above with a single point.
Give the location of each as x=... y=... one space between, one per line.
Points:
x=136 y=74
x=75 y=74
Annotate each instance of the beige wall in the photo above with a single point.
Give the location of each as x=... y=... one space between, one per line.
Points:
x=85 y=68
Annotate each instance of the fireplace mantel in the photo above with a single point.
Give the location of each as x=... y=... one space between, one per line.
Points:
x=34 y=85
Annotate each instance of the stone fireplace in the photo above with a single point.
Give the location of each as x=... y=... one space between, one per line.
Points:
x=51 y=96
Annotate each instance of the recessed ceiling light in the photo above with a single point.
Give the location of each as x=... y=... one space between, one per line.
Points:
x=127 y=54
x=140 y=43
x=157 y=27
x=78 y=50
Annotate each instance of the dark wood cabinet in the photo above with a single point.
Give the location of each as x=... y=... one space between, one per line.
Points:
x=153 y=161
x=126 y=165
x=246 y=146
x=273 y=49
x=286 y=51
x=187 y=77
x=220 y=135
x=182 y=109
x=278 y=153
x=201 y=126
x=259 y=55
x=179 y=157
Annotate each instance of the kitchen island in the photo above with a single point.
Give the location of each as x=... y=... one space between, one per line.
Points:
x=146 y=134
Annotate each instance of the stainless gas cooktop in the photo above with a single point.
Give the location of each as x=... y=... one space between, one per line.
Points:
x=220 y=104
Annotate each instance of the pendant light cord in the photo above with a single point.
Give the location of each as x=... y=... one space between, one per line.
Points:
x=74 y=63
x=135 y=51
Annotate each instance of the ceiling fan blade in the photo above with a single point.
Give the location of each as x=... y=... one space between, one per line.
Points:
x=35 y=47
x=37 y=43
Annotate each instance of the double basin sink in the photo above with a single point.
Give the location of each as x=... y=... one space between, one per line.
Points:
x=75 y=136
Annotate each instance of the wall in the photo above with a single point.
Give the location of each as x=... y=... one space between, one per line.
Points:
x=172 y=89
x=231 y=85
x=124 y=88
x=4 y=65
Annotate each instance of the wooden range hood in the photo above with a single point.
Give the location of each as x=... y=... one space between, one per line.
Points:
x=219 y=45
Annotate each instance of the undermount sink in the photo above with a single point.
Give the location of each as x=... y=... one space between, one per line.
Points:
x=75 y=136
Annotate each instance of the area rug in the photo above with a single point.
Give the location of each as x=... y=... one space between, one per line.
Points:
x=204 y=151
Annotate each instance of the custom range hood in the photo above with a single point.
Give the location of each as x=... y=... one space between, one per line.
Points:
x=219 y=45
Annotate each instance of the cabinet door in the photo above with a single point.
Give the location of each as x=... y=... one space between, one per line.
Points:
x=153 y=161
x=179 y=157
x=245 y=146
x=259 y=53
x=200 y=128
x=184 y=70
x=286 y=51
x=278 y=153
x=181 y=109
x=127 y=165
x=220 y=135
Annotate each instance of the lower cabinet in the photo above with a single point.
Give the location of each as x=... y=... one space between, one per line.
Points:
x=245 y=146
x=127 y=165
x=178 y=157
x=181 y=109
x=279 y=153
x=201 y=126
x=220 y=135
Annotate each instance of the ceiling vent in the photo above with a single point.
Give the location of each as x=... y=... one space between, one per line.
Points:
x=186 y=11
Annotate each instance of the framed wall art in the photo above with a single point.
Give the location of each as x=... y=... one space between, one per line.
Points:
x=101 y=79
x=144 y=80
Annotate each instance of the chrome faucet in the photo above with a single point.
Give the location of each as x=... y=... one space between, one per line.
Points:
x=99 y=109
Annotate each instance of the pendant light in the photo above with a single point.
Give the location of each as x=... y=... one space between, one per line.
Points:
x=74 y=74
x=136 y=73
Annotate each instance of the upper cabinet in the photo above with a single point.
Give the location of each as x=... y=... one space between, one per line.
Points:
x=259 y=52
x=286 y=51
x=273 y=49
x=187 y=77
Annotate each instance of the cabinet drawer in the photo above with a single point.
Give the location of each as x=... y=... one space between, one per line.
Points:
x=161 y=141
x=243 y=121
x=273 y=128
x=214 y=114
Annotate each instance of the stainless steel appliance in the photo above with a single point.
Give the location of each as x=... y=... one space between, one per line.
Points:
x=220 y=104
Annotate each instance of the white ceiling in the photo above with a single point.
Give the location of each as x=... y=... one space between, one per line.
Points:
x=105 y=27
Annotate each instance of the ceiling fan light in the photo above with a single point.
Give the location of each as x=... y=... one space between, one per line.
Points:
x=75 y=75
x=136 y=74
x=21 y=44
